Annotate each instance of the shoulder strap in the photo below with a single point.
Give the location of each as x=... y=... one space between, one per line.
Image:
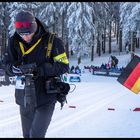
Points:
x=30 y=49
x=50 y=43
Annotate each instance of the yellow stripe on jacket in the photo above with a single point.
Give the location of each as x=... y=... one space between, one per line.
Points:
x=61 y=58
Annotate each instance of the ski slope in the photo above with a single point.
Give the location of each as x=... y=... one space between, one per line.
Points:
x=90 y=117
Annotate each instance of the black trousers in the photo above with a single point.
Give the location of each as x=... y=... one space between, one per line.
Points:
x=35 y=121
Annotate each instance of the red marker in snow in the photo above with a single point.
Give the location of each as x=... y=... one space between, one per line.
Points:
x=71 y=106
x=136 y=109
x=111 y=109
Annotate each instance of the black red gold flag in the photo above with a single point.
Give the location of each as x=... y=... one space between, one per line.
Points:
x=130 y=76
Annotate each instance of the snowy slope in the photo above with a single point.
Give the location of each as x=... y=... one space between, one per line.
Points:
x=90 y=117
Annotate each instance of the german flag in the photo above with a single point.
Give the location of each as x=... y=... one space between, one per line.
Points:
x=130 y=76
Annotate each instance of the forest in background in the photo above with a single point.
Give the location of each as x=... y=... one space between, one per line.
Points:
x=87 y=28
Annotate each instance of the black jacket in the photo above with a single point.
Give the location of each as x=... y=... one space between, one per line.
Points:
x=54 y=67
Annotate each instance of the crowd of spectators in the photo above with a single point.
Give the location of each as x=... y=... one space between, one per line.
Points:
x=75 y=70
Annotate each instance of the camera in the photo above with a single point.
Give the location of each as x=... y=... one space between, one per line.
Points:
x=28 y=68
x=28 y=79
x=55 y=85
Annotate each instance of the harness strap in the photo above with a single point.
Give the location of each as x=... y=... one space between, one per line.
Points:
x=49 y=47
x=30 y=49
x=50 y=43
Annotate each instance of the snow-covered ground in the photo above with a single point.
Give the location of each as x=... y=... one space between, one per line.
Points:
x=90 y=118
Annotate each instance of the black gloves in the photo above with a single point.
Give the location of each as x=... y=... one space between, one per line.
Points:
x=12 y=70
x=64 y=89
x=28 y=68
x=17 y=71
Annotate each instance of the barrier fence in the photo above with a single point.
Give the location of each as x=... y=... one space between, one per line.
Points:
x=5 y=80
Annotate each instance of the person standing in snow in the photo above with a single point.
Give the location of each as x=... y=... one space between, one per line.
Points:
x=114 y=61
x=29 y=45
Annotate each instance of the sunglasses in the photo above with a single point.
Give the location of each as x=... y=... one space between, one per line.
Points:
x=23 y=24
x=22 y=34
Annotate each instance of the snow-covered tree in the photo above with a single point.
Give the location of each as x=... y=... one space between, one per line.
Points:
x=46 y=13
x=127 y=18
x=80 y=25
